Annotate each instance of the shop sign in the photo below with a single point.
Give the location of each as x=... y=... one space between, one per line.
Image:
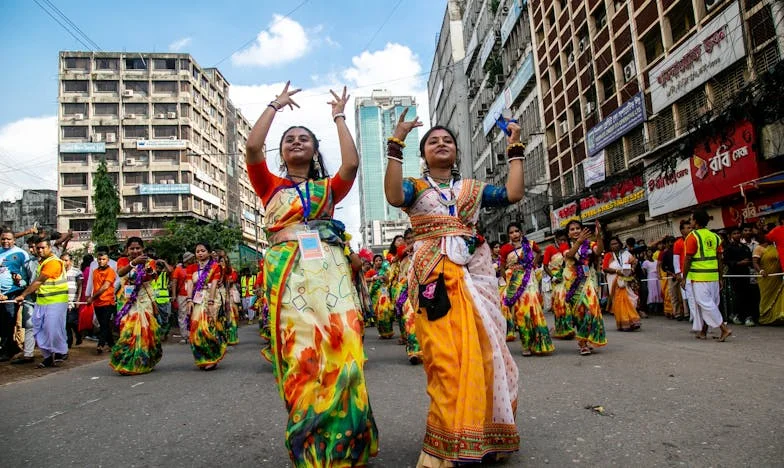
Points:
x=83 y=147
x=617 y=124
x=594 y=169
x=511 y=19
x=712 y=49
x=615 y=197
x=752 y=210
x=669 y=192
x=163 y=189
x=161 y=144
x=561 y=216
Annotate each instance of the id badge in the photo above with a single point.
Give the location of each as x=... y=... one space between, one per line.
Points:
x=198 y=297
x=586 y=269
x=310 y=245
x=127 y=291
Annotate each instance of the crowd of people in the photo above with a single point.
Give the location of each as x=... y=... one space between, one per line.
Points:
x=456 y=299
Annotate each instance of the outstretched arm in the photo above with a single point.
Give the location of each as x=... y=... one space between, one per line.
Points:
x=349 y=159
x=515 y=181
x=254 y=147
x=393 y=179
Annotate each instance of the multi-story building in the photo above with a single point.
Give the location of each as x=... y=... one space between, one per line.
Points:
x=171 y=139
x=36 y=206
x=494 y=41
x=376 y=118
x=625 y=85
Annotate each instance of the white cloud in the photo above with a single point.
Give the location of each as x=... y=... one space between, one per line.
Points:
x=28 y=156
x=286 y=41
x=179 y=44
x=395 y=68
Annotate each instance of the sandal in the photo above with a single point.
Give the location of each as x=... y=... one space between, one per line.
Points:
x=724 y=336
x=527 y=352
x=585 y=351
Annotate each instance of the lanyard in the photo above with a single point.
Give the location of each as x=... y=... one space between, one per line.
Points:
x=305 y=199
x=448 y=202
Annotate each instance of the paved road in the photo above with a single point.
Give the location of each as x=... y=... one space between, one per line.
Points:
x=668 y=400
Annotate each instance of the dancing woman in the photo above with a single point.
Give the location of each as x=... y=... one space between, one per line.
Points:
x=554 y=263
x=618 y=266
x=582 y=298
x=383 y=307
x=138 y=349
x=206 y=337
x=408 y=314
x=471 y=376
x=315 y=316
x=521 y=297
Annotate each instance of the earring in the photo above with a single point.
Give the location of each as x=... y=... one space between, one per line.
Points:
x=455 y=171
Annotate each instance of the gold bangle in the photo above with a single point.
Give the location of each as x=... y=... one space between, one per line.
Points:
x=515 y=145
x=396 y=141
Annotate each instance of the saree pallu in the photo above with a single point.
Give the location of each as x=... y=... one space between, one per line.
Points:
x=316 y=325
x=232 y=322
x=585 y=307
x=564 y=320
x=413 y=349
x=472 y=379
x=529 y=321
x=138 y=349
x=508 y=316
x=771 y=288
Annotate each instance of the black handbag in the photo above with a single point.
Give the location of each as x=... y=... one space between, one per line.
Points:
x=433 y=297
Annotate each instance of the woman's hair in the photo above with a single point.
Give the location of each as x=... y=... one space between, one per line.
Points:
x=134 y=239
x=494 y=244
x=408 y=231
x=514 y=224
x=455 y=173
x=617 y=239
x=378 y=256
x=318 y=170
x=203 y=244
x=574 y=221
x=86 y=261
x=392 y=248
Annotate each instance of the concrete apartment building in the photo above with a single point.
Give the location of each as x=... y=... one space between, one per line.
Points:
x=35 y=206
x=172 y=140
x=376 y=118
x=484 y=67
x=627 y=84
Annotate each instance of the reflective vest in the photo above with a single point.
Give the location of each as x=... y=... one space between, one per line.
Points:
x=161 y=286
x=53 y=290
x=705 y=262
x=246 y=284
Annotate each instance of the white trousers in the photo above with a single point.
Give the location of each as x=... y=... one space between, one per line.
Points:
x=703 y=297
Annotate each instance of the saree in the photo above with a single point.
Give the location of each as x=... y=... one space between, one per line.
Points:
x=472 y=380
x=206 y=334
x=138 y=348
x=623 y=299
x=583 y=305
x=771 y=288
x=316 y=335
x=564 y=321
x=407 y=315
x=383 y=307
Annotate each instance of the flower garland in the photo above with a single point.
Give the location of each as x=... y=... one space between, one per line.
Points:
x=401 y=301
x=581 y=259
x=137 y=274
x=527 y=261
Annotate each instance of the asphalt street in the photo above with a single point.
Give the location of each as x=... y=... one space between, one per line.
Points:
x=653 y=398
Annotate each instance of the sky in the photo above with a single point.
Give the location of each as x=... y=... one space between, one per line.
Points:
x=317 y=44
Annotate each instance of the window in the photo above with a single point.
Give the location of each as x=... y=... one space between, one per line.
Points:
x=136 y=108
x=164 y=177
x=164 y=64
x=576 y=113
x=105 y=86
x=70 y=180
x=187 y=177
x=135 y=178
x=136 y=131
x=568 y=179
x=74 y=203
x=111 y=155
x=105 y=109
x=73 y=158
x=652 y=43
x=75 y=132
x=164 y=87
x=106 y=130
x=681 y=19
x=614 y=157
x=75 y=108
x=137 y=155
x=164 y=108
x=139 y=87
x=165 y=201
x=166 y=157
x=185 y=110
x=75 y=86
x=599 y=17
x=185 y=132
x=185 y=64
x=164 y=131
x=608 y=84
x=77 y=63
x=135 y=64
x=107 y=64
x=185 y=87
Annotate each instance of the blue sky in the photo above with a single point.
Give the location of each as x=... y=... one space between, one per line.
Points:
x=320 y=46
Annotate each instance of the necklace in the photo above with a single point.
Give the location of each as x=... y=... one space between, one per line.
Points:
x=448 y=202
x=441 y=181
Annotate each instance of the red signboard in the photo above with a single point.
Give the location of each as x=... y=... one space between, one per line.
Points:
x=752 y=209
x=723 y=162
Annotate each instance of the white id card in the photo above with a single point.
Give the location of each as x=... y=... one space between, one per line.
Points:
x=198 y=297
x=127 y=291
x=310 y=245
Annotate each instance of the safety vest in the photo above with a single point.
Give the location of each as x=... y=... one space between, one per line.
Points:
x=246 y=285
x=705 y=263
x=53 y=290
x=161 y=286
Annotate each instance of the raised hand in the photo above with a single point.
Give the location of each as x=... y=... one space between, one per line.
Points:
x=585 y=234
x=284 y=98
x=338 y=103
x=514 y=135
x=404 y=128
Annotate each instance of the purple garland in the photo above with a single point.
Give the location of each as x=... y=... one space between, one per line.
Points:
x=580 y=260
x=138 y=279
x=401 y=300
x=527 y=261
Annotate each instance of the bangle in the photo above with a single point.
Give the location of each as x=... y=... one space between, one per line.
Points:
x=275 y=105
x=516 y=158
x=516 y=149
x=393 y=158
x=336 y=116
x=396 y=141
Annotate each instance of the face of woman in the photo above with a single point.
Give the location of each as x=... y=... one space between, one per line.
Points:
x=575 y=230
x=298 y=147
x=440 y=149
x=615 y=245
x=202 y=253
x=514 y=234
x=496 y=249
x=399 y=241
x=134 y=250
x=377 y=263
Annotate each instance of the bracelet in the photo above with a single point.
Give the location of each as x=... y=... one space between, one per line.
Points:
x=396 y=141
x=516 y=158
x=393 y=158
x=275 y=105
x=336 y=116
x=394 y=151
x=516 y=149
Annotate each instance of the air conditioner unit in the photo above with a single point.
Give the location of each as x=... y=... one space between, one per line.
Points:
x=629 y=72
x=570 y=58
x=96 y=137
x=173 y=137
x=78 y=116
x=127 y=93
x=711 y=4
x=160 y=116
x=171 y=115
x=138 y=207
x=483 y=107
x=489 y=171
x=500 y=158
x=500 y=79
x=127 y=209
x=581 y=45
x=130 y=116
x=564 y=127
x=130 y=162
x=589 y=106
x=111 y=137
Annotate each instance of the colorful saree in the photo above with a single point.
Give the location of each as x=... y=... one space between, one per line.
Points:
x=138 y=349
x=207 y=336
x=383 y=307
x=771 y=288
x=564 y=320
x=623 y=300
x=583 y=306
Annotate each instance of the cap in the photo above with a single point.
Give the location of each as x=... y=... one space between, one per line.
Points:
x=187 y=256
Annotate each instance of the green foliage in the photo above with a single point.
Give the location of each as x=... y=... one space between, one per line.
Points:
x=107 y=207
x=494 y=66
x=494 y=4
x=182 y=235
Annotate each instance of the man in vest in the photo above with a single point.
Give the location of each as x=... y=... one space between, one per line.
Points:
x=702 y=274
x=161 y=285
x=51 y=288
x=246 y=288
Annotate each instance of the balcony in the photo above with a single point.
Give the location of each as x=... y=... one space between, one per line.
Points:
x=123 y=234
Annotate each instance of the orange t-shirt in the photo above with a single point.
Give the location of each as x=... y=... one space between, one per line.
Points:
x=52 y=269
x=678 y=249
x=99 y=278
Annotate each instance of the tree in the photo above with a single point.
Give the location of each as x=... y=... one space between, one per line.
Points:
x=182 y=235
x=107 y=207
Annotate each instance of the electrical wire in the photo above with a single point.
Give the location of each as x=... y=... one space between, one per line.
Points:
x=67 y=29
x=68 y=20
